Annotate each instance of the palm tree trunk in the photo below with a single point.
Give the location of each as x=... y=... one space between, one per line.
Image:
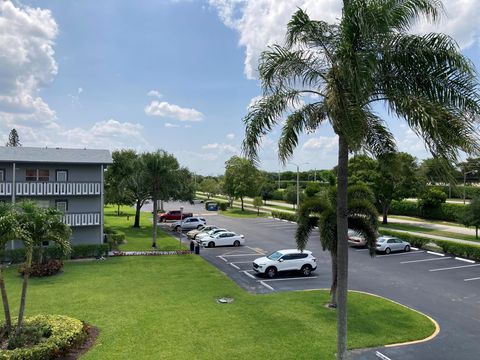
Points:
x=333 y=287
x=155 y=218
x=342 y=248
x=136 y=224
x=6 y=306
x=26 y=275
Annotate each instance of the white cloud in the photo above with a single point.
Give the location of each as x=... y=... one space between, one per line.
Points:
x=165 y=109
x=263 y=22
x=154 y=93
x=221 y=148
x=170 y=125
x=323 y=143
x=230 y=136
x=27 y=63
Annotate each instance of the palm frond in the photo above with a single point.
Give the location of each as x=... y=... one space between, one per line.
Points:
x=366 y=229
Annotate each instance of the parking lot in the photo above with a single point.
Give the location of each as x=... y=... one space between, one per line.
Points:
x=445 y=288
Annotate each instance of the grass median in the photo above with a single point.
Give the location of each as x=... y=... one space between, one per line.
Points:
x=238 y=213
x=428 y=231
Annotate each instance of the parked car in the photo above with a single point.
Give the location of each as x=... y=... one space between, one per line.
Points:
x=202 y=235
x=286 y=260
x=193 y=233
x=173 y=215
x=189 y=223
x=387 y=244
x=355 y=238
x=223 y=238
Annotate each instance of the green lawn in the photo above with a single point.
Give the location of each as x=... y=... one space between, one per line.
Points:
x=238 y=213
x=428 y=231
x=412 y=218
x=138 y=239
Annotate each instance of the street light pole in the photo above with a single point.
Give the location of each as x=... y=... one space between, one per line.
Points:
x=464 y=183
x=298 y=181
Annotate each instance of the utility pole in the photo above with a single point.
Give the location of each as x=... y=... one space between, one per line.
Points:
x=298 y=181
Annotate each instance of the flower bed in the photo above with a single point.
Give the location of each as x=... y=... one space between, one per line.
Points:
x=150 y=253
x=59 y=335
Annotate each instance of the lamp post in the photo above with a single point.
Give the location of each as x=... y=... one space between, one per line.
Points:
x=298 y=180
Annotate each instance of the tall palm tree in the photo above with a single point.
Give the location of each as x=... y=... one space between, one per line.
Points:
x=321 y=212
x=367 y=57
x=38 y=226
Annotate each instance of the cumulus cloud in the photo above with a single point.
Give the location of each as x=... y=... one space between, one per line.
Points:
x=323 y=143
x=27 y=63
x=230 y=136
x=167 y=110
x=154 y=93
x=221 y=148
x=260 y=23
x=170 y=125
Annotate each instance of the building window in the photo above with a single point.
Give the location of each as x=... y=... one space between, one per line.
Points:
x=37 y=175
x=61 y=205
x=2 y=174
x=44 y=204
x=62 y=175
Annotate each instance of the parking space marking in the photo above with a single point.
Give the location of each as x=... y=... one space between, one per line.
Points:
x=454 y=267
x=235 y=266
x=381 y=356
x=248 y=274
x=221 y=257
x=267 y=286
x=435 y=253
x=362 y=249
x=238 y=255
x=413 y=248
x=241 y=262
x=401 y=254
x=472 y=279
x=435 y=259
x=258 y=250
x=465 y=260
x=295 y=278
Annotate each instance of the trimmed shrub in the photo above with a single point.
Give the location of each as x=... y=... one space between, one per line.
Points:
x=460 y=249
x=223 y=206
x=284 y=216
x=446 y=212
x=49 y=268
x=277 y=195
x=58 y=335
x=414 y=240
x=89 y=251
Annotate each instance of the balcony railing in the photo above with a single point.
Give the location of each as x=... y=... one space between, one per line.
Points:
x=81 y=219
x=35 y=188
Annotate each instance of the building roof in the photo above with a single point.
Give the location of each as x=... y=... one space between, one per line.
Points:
x=54 y=155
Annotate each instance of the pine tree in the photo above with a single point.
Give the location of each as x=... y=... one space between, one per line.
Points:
x=13 y=139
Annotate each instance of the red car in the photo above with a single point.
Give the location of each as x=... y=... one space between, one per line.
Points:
x=173 y=215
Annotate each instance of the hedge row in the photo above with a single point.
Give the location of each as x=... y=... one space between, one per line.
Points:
x=65 y=333
x=284 y=215
x=114 y=237
x=460 y=249
x=53 y=252
x=446 y=212
x=457 y=191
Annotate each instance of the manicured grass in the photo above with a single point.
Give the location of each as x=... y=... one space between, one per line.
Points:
x=165 y=308
x=429 y=231
x=412 y=218
x=138 y=239
x=238 y=213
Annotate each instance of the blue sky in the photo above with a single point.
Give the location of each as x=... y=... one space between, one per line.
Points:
x=78 y=74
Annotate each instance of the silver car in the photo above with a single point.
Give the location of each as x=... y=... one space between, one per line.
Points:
x=387 y=244
x=189 y=223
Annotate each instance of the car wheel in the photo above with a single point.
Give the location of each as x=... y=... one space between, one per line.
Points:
x=407 y=248
x=211 y=244
x=306 y=270
x=162 y=220
x=388 y=251
x=236 y=243
x=199 y=227
x=271 y=272
x=177 y=228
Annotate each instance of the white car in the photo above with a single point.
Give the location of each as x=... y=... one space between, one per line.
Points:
x=387 y=244
x=203 y=235
x=189 y=223
x=286 y=260
x=223 y=239
x=355 y=238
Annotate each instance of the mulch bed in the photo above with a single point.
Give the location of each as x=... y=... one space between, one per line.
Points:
x=76 y=352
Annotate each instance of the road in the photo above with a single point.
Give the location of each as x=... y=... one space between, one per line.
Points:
x=445 y=288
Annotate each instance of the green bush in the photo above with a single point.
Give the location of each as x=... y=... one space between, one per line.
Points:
x=284 y=216
x=223 y=206
x=457 y=191
x=49 y=268
x=414 y=240
x=64 y=333
x=277 y=195
x=89 y=251
x=446 y=212
x=460 y=249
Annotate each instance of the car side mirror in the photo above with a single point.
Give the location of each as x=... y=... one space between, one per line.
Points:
x=280 y=260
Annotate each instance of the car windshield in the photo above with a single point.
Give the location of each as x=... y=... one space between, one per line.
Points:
x=275 y=256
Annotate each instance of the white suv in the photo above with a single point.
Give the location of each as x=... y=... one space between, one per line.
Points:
x=285 y=260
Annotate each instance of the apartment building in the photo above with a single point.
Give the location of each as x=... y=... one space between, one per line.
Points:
x=71 y=180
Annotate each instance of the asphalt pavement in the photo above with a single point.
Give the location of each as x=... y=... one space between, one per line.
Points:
x=445 y=288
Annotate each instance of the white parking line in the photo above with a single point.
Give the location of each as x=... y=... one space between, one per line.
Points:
x=238 y=255
x=401 y=254
x=235 y=266
x=248 y=274
x=466 y=260
x=258 y=250
x=221 y=257
x=381 y=356
x=414 y=248
x=361 y=249
x=454 y=267
x=435 y=253
x=267 y=286
x=295 y=278
x=241 y=262
x=414 y=261
x=472 y=279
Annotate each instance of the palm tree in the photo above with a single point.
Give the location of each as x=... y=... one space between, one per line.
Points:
x=321 y=211
x=38 y=226
x=368 y=57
